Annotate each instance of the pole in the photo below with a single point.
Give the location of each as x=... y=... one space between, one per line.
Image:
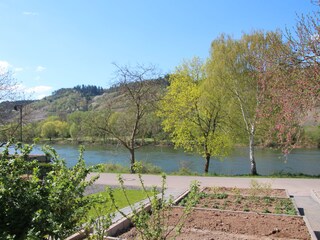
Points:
x=19 y=107
x=20 y=123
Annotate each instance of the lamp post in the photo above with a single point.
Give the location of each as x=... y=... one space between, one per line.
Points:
x=19 y=107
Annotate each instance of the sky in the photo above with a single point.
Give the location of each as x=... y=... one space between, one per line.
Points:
x=48 y=45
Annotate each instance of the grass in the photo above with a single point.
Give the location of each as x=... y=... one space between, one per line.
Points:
x=148 y=168
x=103 y=208
x=312 y=135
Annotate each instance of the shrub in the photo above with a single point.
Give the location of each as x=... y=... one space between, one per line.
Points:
x=36 y=208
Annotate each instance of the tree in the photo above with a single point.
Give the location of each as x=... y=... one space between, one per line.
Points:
x=296 y=89
x=139 y=91
x=51 y=129
x=8 y=87
x=244 y=73
x=194 y=116
x=75 y=121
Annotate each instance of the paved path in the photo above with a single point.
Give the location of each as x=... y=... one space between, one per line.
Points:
x=300 y=189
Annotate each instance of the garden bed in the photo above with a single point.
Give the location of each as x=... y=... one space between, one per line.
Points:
x=230 y=213
x=223 y=225
x=274 y=201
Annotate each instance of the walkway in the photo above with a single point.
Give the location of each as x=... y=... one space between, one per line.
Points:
x=301 y=189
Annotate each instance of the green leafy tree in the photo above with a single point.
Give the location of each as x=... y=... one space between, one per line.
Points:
x=36 y=208
x=55 y=128
x=49 y=130
x=245 y=75
x=195 y=117
x=62 y=129
x=81 y=125
x=75 y=121
x=30 y=131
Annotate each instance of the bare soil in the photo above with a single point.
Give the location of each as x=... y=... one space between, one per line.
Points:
x=258 y=192
x=208 y=223
x=275 y=201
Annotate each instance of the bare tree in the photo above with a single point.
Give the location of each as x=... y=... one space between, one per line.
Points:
x=138 y=93
x=8 y=91
x=8 y=85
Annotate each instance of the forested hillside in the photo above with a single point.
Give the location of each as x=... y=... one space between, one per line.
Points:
x=66 y=112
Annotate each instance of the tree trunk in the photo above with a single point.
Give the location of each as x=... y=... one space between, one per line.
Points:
x=206 y=168
x=251 y=153
x=132 y=160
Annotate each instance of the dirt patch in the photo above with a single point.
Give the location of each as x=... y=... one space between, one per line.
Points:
x=258 y=191
x=215 y=224
x=233 y=213
x=235 y=199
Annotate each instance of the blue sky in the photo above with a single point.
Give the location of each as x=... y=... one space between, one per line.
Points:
x=50 y=45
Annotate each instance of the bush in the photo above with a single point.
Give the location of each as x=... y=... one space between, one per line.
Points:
x=35 y=208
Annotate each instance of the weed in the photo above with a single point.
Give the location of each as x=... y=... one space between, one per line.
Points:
x=238 y=200
x=246 y=208
x=155 y=226
x=268 y=200
x=219 y=196
x=266 y=211
x=235 y=191
x=215 y=190
x=258 y=189
x=288 y=206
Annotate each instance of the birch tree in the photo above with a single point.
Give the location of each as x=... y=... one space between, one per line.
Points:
x=244 y=74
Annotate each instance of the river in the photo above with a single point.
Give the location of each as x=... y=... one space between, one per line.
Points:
x=306 y=161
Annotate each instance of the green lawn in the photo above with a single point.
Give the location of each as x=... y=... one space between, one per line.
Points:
x=103 y=208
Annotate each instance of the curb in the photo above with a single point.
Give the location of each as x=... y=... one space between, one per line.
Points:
x=315 y=195
x=311 y=232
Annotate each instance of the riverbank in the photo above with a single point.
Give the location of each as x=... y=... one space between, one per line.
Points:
x=148 y=168
x=158 y=143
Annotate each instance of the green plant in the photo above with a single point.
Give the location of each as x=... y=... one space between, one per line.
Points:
x=285 y=206
x=155 y=225
x=266 y=210
x=219 y=195
x=268 y=200
x=149 y=168
x=101 y=219
x=34 y=208
x=246 y=209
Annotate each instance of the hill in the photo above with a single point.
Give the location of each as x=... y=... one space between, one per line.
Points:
x=68 y=100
